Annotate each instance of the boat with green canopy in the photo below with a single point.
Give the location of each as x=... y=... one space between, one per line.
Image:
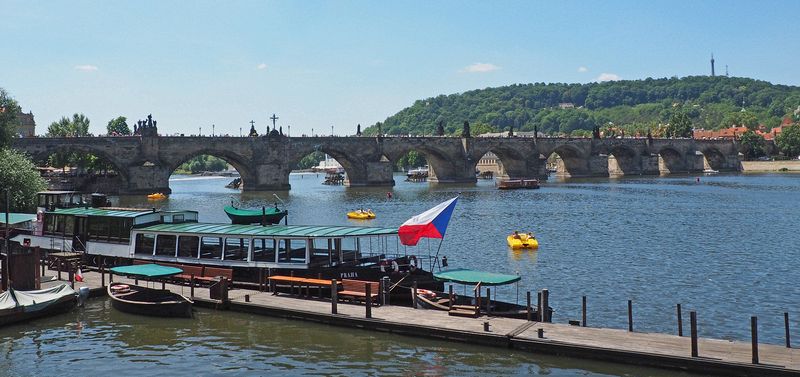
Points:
x=264 y=216
x=140 y=300
x=473 y=304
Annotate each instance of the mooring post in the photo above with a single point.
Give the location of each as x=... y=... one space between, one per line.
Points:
x=60 y=267
x=693 y=329
x=246 y=298
x=630 y=315
x=786 y=326
x=414 y=294
x=163 y=285
x=334 y=294
x=488 y=301
x=261 y=279
x=191 y=286
x=110 y=277
x=680 y=320
x=319 y=287
x=540 y=333
x=754 y=337
x=528 y=305
x=44 y=263
x=583 y=311
x=450 y=295
x=102 y=276
x=368 y=291
x=539 y=306
x=71 y=276
x=546 y=305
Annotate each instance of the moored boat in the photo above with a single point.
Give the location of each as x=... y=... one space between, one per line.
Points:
x=19 y=306
x=474 y=304
x=255 y=216
x=361 y=215
x=512 y=184
x=140 y=300
x=157 y=196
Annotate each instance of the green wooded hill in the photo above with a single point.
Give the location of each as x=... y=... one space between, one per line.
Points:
x=634 y=105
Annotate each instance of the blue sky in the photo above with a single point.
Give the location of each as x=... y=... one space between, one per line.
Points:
x=318 y=64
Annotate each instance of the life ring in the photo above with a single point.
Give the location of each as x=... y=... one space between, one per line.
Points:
x=412 y=263
x=384 y=263
x=395 y=266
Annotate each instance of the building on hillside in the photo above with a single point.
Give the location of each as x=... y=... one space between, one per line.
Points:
x=27 y=126
x=735 y=132
x=566 y=105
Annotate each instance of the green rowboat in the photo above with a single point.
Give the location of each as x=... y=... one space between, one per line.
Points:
x=255 y=216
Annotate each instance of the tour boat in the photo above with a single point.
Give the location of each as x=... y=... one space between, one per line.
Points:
x=512 y=184
x=255 y=216
x=114 y=237
x=361 y=215
x=522 y=241
x=18 y=306
x=135 y=299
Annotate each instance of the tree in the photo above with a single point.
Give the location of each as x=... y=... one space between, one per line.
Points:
x=8 y=118
x=118 y=126
x=752 y=144
x=740 y=118
x=679 y=125
x=789 y=140
x=77 y=126
x=311 y=160
x=18 y=174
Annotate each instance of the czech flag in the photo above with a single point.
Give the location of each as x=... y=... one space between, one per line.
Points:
x=430 y=224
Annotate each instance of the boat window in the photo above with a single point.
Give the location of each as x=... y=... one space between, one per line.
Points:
x=60 y=224
x=292 y=251
x=264 y=250
x=145 y=243
x=165 y=245
x=211 y=248
x=187 y=246
x=177 y=218
x=236 y=248
x=321 y=251
x=50 y=223
x=69 y=225
x=98 y=228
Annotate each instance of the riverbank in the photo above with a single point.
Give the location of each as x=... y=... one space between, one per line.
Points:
x=771 y=166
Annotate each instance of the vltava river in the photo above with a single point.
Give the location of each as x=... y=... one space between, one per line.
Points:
x=724 y=247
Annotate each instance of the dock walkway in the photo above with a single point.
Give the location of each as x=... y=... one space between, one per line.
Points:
x=715 y=356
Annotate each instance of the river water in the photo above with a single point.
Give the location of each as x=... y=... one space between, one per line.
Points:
x=722 y=246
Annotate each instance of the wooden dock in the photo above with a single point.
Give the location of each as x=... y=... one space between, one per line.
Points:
x=720 y=357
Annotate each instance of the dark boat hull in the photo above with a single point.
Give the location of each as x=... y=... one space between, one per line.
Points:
x=16 y=315
x=498 y=308
x=150 y=302
x=273 y=218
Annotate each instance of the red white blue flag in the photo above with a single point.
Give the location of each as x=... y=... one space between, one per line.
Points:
x=429 y=224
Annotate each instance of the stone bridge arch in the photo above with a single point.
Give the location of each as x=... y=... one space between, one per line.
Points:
x=242 y=164
x=363 y=162
x=41 y=156
x=447 y=162
x=713 y=158
x=624 y=160
x=573 y=161
x=672 y=161
x=518 y=160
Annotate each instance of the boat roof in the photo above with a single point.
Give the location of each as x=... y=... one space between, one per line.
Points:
x=16 y=218
x=297 y=231
x=467 y=276
x=151 y=270
x=91 y=211
x=57 y=192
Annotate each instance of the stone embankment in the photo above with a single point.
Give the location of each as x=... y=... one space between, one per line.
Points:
x=770 y=166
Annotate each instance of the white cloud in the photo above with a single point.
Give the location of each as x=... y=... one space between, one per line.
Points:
x=262 y=66
x=608 y=77
x=583 y=69
x=86 y=67
x=480 y=68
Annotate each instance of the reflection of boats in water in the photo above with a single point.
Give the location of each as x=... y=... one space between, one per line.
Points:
x=513 y=184
x=473 y=305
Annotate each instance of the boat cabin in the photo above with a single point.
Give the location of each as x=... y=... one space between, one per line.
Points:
x=104 y=231
x=276 y=246
x=50 y=200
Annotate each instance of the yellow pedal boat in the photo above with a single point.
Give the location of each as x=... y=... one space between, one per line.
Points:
x=156 y=196
x=522 y=241
x=361 y=215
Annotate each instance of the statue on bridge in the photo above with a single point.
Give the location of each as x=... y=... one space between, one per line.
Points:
x=510 y=131
x=253 y=132
x=440 y=128
x=358 y=130
x=146 y=128
x=465 y=130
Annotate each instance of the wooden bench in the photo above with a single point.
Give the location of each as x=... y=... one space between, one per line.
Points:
x=464 y=311
x=357 y=289
x=300 y=282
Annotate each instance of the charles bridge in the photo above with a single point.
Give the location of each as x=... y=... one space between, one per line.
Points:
x=145 y=162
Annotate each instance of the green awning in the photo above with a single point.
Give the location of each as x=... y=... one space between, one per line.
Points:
x=146 y=270
x=81 y=211
x=289 y=231
x=16 y=218
x=465 y=276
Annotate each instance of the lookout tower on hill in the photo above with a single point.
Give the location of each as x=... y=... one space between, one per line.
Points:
x=712 y=65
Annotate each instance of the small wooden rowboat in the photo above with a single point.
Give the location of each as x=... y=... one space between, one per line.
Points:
x=136 y=299
x=255 y=216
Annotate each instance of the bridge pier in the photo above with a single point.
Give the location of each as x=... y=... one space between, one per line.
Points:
x=147 y=179
x=267 y=177
x=376 y=174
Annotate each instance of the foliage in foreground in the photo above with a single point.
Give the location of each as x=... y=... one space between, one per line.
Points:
x=18 y=174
